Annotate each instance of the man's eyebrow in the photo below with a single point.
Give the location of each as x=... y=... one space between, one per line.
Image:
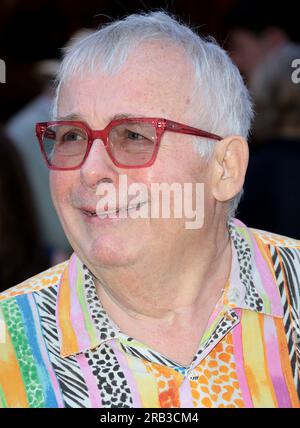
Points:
x=78 y=117
x=71 y=116
x=123 y=116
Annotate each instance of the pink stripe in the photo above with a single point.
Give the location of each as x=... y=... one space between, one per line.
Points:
x=58 y=305
x=185 y=395
x=90 y=379
x=267 y=281
x=274 y=366
x=127 y=373
x=239 y=361
x=263 y=269
x=44 y=352
x=77 y=318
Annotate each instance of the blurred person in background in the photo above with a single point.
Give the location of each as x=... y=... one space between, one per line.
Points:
x=272 y=192
x=21 y=132
x=21 y=250
x=257 y=32
x=261 y=44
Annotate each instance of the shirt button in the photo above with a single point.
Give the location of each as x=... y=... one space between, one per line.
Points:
x=234 y=295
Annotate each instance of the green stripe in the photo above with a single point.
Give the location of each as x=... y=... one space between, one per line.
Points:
x=14 y=320
x=124 y=339
x=3 y=403
x=81 y=297
x=242 y=231
x=210 y=330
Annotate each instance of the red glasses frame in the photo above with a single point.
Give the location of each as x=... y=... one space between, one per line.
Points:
x=161 y=125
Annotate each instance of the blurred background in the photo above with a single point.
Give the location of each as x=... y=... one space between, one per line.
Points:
x=262 y=38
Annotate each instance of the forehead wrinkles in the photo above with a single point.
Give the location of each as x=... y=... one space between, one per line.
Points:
x=156 y=77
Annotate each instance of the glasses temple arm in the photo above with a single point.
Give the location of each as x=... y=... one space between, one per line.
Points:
x=184 y=129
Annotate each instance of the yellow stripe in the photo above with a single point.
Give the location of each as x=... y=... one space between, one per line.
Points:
x=255 y=365
x=11 y=380
x=147 y=385
x=68 y=336
x=271 y=386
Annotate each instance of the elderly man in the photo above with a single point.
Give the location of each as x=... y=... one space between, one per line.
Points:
x=149 y=312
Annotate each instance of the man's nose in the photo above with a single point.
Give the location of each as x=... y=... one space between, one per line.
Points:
x=97 y=166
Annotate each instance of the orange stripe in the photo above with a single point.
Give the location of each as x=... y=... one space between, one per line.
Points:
x=266 y=255
x=286 y=363
x=68 y=336
x=267 y=372
x=168 y=382
x=254 y=361
x=284 y=354
x=14 y=390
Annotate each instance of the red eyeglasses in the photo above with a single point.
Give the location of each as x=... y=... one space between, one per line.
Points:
x=129 y=142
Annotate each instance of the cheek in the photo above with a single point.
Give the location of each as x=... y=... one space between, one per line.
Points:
x=60 y=187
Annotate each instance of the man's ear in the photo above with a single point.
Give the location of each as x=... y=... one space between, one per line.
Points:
x=229 y=167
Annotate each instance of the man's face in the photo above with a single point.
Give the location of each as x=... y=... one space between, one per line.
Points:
x=155 y=82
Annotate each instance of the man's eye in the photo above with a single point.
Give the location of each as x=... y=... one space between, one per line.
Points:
x=134 y=136
x=72 y=136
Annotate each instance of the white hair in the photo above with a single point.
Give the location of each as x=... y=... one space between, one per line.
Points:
x=224 y=103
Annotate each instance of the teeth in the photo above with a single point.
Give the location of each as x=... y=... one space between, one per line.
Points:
x=106 y=213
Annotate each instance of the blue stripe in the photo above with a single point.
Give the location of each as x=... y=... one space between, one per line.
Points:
x=30 y=329
x=40 y=332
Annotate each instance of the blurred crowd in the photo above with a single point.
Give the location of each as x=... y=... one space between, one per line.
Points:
x=263 y=48
x=261 y=42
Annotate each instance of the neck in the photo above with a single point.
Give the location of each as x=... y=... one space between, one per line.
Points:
x=169 y=285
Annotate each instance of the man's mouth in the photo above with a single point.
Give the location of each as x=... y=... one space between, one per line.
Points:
x=106 y=213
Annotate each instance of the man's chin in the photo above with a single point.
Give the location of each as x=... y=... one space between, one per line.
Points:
x=110 y=252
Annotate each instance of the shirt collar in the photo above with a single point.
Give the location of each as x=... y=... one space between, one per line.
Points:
x=83 y=324
x=252 y=283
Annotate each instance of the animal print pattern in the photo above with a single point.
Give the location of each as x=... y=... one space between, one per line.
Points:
x=98 y=314
x=71 y=381
x=22 y=348
x=252 y=298
x=168 y=384
x=276 y=240
x=37 y=282
x=114 y=373
x=112 y=384
x=289 y=286
x=229 y=320
x=215 y=382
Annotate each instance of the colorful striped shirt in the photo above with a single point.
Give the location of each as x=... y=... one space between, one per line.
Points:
x=59 y=348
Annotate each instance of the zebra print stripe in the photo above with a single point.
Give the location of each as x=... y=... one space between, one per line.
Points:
x=222 y=328
x=291 y=265
x=67 y=370
x=150 y=356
